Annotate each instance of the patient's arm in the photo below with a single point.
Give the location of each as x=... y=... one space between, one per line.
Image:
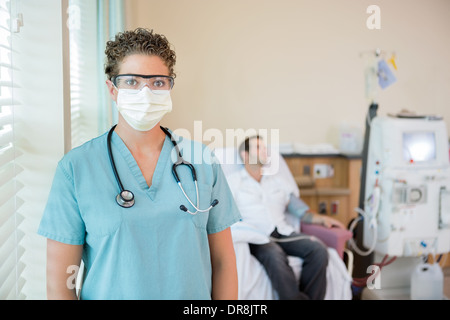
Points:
x=300 y=209
x=297 y=206
x=324 y=220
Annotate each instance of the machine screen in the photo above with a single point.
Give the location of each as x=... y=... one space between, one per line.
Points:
x=419 y=146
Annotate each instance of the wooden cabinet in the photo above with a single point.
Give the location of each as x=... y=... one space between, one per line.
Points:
x=329 y=184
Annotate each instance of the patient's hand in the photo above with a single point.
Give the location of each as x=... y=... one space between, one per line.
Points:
x=328 y=222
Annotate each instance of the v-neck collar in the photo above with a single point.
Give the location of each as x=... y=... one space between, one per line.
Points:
x=136 y=171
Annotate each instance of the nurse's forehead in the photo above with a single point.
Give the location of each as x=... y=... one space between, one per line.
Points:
x=143 y=64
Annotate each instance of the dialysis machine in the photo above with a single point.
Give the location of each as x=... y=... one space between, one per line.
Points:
x=407 y=193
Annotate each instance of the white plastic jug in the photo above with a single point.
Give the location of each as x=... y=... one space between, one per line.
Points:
x=427 y=282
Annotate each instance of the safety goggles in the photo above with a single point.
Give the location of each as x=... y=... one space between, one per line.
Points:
x=138 y=81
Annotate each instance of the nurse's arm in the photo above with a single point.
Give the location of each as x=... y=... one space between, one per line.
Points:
x=223 y=261
x=62 y=260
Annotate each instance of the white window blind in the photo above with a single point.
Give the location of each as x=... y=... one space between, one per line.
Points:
x=91 y=25
x=40 y=120
x=33 y=132
x=11 y=250
x=82 y=22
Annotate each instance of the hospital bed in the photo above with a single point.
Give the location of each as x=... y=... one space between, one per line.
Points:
x=254 y=284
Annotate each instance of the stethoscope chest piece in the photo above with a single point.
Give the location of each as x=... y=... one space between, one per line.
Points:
x=125 y=199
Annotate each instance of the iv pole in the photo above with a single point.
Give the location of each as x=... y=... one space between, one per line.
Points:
x=361 y=263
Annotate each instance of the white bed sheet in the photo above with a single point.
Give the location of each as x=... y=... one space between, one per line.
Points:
x=254 y=284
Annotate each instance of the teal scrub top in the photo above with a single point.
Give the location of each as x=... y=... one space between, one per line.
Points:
x=152 y=250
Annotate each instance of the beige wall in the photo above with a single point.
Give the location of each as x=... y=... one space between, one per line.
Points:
x=296 y=65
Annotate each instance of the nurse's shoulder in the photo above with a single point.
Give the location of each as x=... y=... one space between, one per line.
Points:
x=89 y=152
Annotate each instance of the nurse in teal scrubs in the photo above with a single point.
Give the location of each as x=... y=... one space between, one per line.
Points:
x=152 y=249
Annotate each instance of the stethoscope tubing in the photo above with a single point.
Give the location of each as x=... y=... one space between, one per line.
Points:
x=194 y=206
x=111 y=159
x=125 y=198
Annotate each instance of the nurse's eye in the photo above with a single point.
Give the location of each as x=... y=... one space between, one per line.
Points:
x=131 y=82
x=127 y=82
x=159 y=84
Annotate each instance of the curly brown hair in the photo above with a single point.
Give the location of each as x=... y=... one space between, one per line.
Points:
x=140 y=40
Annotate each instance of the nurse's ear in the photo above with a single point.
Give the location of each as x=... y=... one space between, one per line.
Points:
x=112 y=90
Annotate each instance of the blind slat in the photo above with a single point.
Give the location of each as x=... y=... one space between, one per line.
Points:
x=8 y=102
x=20 y=283
x=11 y=253
x=8 y=208
x=5 y=118
x=6 y=136
x=9 y=237
x=6 y=155
x=9 y=287
x=9 y=244
x=6 y=233
x=9 y=190
x=7 y=29
x=8 y=66
x=8 y=172
x=9 y=84
x=8 y=48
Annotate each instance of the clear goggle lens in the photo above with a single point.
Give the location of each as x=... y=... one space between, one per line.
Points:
x=136 y=82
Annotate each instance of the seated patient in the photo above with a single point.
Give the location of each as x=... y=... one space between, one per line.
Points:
x=262 y=201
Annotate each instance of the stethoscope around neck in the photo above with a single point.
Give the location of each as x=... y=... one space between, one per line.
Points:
x=125 y=198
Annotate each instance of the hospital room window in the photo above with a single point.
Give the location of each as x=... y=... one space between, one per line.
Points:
x=11 y=250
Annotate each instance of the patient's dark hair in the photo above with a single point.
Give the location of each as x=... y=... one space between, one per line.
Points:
x=245 y=146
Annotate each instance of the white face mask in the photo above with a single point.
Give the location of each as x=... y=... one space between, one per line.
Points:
x=143 y=109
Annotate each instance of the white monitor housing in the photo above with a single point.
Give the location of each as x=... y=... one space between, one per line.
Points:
x=407 y=192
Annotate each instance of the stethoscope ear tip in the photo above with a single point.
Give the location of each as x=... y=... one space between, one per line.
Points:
x=183 y=208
